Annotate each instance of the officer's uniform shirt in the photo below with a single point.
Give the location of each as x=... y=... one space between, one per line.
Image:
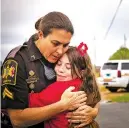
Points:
x=19 y=80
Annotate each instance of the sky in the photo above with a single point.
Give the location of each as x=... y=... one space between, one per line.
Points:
x=90 y=18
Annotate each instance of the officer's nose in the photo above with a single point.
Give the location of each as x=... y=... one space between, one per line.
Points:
x=60 y=50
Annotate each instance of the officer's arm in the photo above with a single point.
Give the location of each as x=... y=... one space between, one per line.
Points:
x=30 y=116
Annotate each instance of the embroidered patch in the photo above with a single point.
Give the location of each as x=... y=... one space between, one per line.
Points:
x=9 y=72
x=7 y=93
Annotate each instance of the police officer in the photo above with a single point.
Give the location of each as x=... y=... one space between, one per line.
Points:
x=29 y=68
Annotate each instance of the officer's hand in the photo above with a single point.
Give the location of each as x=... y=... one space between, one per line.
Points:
x=83 y=115
x=73 y=100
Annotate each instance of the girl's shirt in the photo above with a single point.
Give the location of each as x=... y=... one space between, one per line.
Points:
x=51 y=95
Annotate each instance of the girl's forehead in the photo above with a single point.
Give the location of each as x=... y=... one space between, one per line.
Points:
x=64 y=58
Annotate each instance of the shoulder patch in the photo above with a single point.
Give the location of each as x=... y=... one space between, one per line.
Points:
x=9 y=72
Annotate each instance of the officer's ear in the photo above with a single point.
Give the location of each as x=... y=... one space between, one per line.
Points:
x=40 y=34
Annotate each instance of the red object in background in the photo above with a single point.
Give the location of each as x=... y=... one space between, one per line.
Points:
x=119 y=73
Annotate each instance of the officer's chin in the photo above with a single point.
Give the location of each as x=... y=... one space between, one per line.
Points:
x=53 y=60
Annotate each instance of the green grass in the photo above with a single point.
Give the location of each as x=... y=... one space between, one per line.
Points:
x=121 y=98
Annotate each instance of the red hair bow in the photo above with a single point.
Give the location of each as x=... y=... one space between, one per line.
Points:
x=82 y=48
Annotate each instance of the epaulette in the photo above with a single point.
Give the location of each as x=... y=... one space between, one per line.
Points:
x=14 y=51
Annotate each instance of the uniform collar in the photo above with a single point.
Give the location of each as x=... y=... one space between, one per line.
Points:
x=35 y=54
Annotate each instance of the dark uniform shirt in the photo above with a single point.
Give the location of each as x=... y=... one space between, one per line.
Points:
x=28 y=71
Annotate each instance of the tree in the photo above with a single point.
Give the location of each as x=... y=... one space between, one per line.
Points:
x=120 y=54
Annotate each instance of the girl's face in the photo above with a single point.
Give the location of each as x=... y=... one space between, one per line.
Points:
x=63 y=69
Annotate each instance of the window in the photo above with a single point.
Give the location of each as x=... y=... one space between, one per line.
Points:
x=125 y=66
x=112 y=66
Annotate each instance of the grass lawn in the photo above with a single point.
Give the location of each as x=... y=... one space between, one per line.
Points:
x=120 y=96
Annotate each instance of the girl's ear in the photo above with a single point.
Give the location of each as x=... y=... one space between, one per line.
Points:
x=82 y=72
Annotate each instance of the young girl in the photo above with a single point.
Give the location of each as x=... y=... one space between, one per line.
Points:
x=72 y=69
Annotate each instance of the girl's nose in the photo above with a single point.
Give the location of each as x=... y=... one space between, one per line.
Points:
x=61 y=69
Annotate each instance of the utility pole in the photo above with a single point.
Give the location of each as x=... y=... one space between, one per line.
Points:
x=113 y=19
x=125 y=39
x=94 y=40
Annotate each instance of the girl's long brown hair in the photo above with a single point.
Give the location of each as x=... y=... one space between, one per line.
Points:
x=82 y=67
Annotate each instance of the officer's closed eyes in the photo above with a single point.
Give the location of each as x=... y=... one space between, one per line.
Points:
x=57 y=43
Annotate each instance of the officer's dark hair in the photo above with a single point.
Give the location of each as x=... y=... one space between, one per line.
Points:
x=54 y=20
x=82 y=67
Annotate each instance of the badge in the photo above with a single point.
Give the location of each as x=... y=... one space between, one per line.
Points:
x=32 y=79
x=9 y=72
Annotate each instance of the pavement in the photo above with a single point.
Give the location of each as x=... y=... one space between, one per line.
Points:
x=113 y=115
